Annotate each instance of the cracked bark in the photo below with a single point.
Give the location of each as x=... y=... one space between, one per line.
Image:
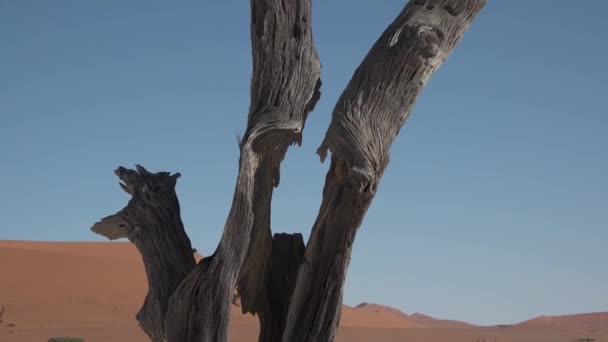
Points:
x=286 y=85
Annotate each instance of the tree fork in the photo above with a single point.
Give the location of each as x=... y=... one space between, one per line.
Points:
x=295 y=290
x=365 y=121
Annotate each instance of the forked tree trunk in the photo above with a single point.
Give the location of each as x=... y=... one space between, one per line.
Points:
x=296 y=291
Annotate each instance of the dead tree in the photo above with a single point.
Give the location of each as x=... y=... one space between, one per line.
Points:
x=295 y=290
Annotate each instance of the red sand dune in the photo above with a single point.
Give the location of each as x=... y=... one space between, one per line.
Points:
x=378 y=308
x=94 y=289
x=432 y=322
x=397 y=318
x=378 y=316
x=597 y=321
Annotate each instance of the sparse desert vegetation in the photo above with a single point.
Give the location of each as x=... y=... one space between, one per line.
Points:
x=66 y=339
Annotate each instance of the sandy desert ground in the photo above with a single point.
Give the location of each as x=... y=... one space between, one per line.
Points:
x=93 y=290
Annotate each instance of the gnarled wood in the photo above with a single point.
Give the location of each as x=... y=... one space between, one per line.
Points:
x=151 y=220
x=285 y=87
x=365 y=121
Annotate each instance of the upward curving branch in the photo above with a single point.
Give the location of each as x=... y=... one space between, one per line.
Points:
x=366 y=120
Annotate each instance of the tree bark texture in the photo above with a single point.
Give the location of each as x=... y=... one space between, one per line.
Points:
x=151 y=220
x=365 y=121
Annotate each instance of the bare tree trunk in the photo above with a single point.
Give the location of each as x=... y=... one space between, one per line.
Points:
x=365 y=121
x=296 y=291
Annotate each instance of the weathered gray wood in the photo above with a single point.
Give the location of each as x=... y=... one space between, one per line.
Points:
x=365 y=121
x=151 y=220
x=284 y=89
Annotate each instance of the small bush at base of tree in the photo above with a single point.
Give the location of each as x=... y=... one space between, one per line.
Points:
x=66 y=339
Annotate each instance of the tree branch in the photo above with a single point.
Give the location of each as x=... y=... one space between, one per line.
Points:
x=151 y=220
x=365 y=121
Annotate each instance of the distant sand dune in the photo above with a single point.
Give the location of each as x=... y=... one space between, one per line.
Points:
x=94 y=289
x=589 y=321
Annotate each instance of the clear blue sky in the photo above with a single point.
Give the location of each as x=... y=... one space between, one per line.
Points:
x=494 y=207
